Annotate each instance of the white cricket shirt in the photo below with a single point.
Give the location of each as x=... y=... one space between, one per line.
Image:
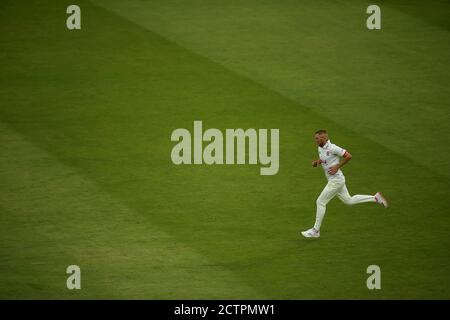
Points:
x=331 y=154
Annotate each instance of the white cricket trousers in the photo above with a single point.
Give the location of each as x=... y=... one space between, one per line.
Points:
x=337 y=187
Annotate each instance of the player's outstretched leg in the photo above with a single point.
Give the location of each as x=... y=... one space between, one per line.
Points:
x=345 y=197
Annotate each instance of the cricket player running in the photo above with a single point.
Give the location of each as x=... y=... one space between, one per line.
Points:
x=332 y=158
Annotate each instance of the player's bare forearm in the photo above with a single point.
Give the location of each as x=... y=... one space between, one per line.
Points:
x=345 y=158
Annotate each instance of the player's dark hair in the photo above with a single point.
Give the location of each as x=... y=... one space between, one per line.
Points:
x=321 y=131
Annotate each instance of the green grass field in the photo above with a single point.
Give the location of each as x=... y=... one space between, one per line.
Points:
x=86 y=176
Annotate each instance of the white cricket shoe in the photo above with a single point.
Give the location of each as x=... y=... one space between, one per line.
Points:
x=381 y=199
x=311 y=233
